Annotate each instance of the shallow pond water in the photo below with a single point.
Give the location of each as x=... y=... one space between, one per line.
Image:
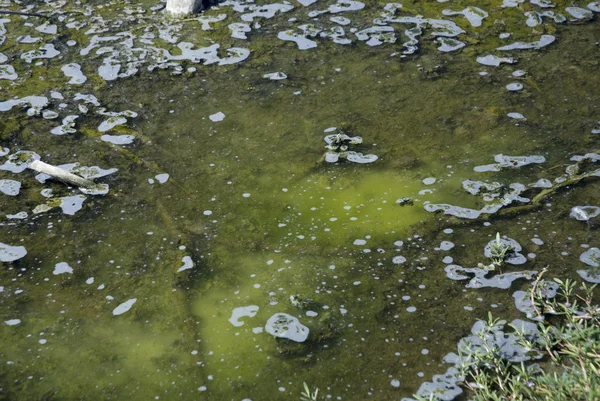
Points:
x=222 y=212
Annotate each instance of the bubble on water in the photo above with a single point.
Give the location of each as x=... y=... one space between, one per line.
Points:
x=429 y=181
x=124 y=307
x=514 y=86
x=517 y=116
x=398 y=260
x=395 y=383
x=541 y=183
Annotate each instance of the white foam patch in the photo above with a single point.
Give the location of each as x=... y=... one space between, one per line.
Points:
x=124 y=307
x=73 y=71
x=217 y=117
x=118 y=139
x=10 y=253
x=188 y=263
x=283 y=325
x=62 y=268
x=10 y=187
x=243 y=311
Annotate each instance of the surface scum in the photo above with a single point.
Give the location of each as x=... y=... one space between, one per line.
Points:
x=223 y=227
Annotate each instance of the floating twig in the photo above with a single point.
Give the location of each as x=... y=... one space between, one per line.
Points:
x=61 y=174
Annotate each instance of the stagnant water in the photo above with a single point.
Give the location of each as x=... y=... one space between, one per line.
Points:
x=222 y=211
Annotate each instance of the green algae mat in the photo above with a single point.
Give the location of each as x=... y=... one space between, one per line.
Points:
x=243 y=240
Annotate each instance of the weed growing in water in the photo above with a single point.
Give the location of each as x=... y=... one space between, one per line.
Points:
x=499 y=251
x=307 y=395
x=568 y=344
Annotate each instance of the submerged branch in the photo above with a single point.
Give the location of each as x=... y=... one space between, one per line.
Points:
x=24 y=13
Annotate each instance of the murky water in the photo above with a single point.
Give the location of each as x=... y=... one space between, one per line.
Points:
x=223 y=211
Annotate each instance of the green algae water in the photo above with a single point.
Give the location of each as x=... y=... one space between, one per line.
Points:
x=222 y=215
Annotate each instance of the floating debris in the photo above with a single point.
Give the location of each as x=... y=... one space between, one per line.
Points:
x=10 y=253
x=337 y=149
x=275 y=76
x=584 y=213
x=12 y=322
x=283 y=325
x=243 y=311
x=124 y=307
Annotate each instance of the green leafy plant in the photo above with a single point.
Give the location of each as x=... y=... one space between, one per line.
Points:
x=499 y=251
x=567 y=343
x=307 y=395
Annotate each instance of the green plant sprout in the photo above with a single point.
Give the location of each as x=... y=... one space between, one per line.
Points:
x=499 y=251
x=307 y=395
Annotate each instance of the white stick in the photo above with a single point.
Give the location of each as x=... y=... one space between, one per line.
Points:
x=183 y=7
x=60 y=174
